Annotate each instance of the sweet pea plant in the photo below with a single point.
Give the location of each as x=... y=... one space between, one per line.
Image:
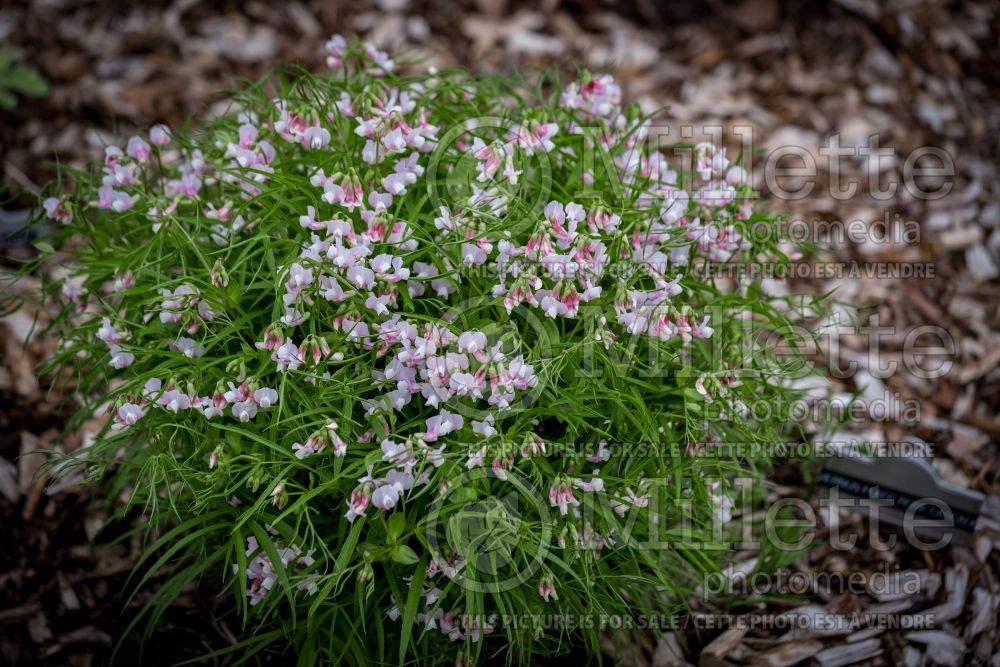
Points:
x=414 y=361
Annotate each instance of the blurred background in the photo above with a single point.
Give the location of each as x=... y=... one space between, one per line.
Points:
x=918 y=73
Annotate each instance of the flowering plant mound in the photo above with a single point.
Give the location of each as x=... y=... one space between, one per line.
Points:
x=419 y=361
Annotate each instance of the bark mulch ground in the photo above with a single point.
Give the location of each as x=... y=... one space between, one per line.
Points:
x=921 y=73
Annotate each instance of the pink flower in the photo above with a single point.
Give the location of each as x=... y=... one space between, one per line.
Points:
x=316 y=137
x=188 y=347
x=490 y=157
x=485 y=428
x=138 y=149
x=536 y=136
x=332 y=291
x=547 y=589
x=389 y=268
x=599 y=97
x=174 y=400
x=602 y=453
x=272 y=340
x=108 y=334
x=265 y=397
x=212 y=406
x=107 y=197
x=380 y=201
x=473 y=254
x=442 y=424
x=119 y=358
x=361 y=277
x=500 y=466
x=737 y=176
x=152 y=388
x=561 y=496
x=348 y=194
x=159 y=135
x=127 y=415
x=237 y=394
x=56 y=210
x=702 y=330
x=335 y=48
x=592 y=485
x=378 y=303
x=710 y=160
x=298 y=278
x=401 y=479
x=314 y=443
x=245 y=410
x=287 y=356
x=476 y=459
x=356 y=506
x=533 y=445
x=467 y=384
x=385 y=497
x=397 y=453
x=395 y=184
x=521 y=375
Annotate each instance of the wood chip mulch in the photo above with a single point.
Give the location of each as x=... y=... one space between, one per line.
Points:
x=917 y=73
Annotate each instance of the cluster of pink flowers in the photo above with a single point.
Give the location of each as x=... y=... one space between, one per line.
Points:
x=599 y=97
x=440 y=366
x=244 y=400
x=184 y=305
x=154 y=393
x=560 y=266
x=190 y=176
x=261 y=575
x=319 y=441
x=293 y=127
x=413 y=455
x=360 y=291
x=455 y=625
x=394 y=125
x=119 y=172
x=374 y=63
x=228 y=223
x=113 y=338
x=251 y=158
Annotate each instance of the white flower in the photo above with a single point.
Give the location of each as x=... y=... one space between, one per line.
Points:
x=127 y=415
x=174 y=400
x=485 y=428
x=245 y=410
x=476 y=459
x=385 y=497
x=265 y=397
x=119 y=358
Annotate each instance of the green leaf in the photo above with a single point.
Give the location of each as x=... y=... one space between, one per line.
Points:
x=404 y=555
x=396 y=524
x=26 y=80
x=44 y=247
x=412 y=604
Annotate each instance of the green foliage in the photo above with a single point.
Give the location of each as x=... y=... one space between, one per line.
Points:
x=17 y=78
x=188 y=285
